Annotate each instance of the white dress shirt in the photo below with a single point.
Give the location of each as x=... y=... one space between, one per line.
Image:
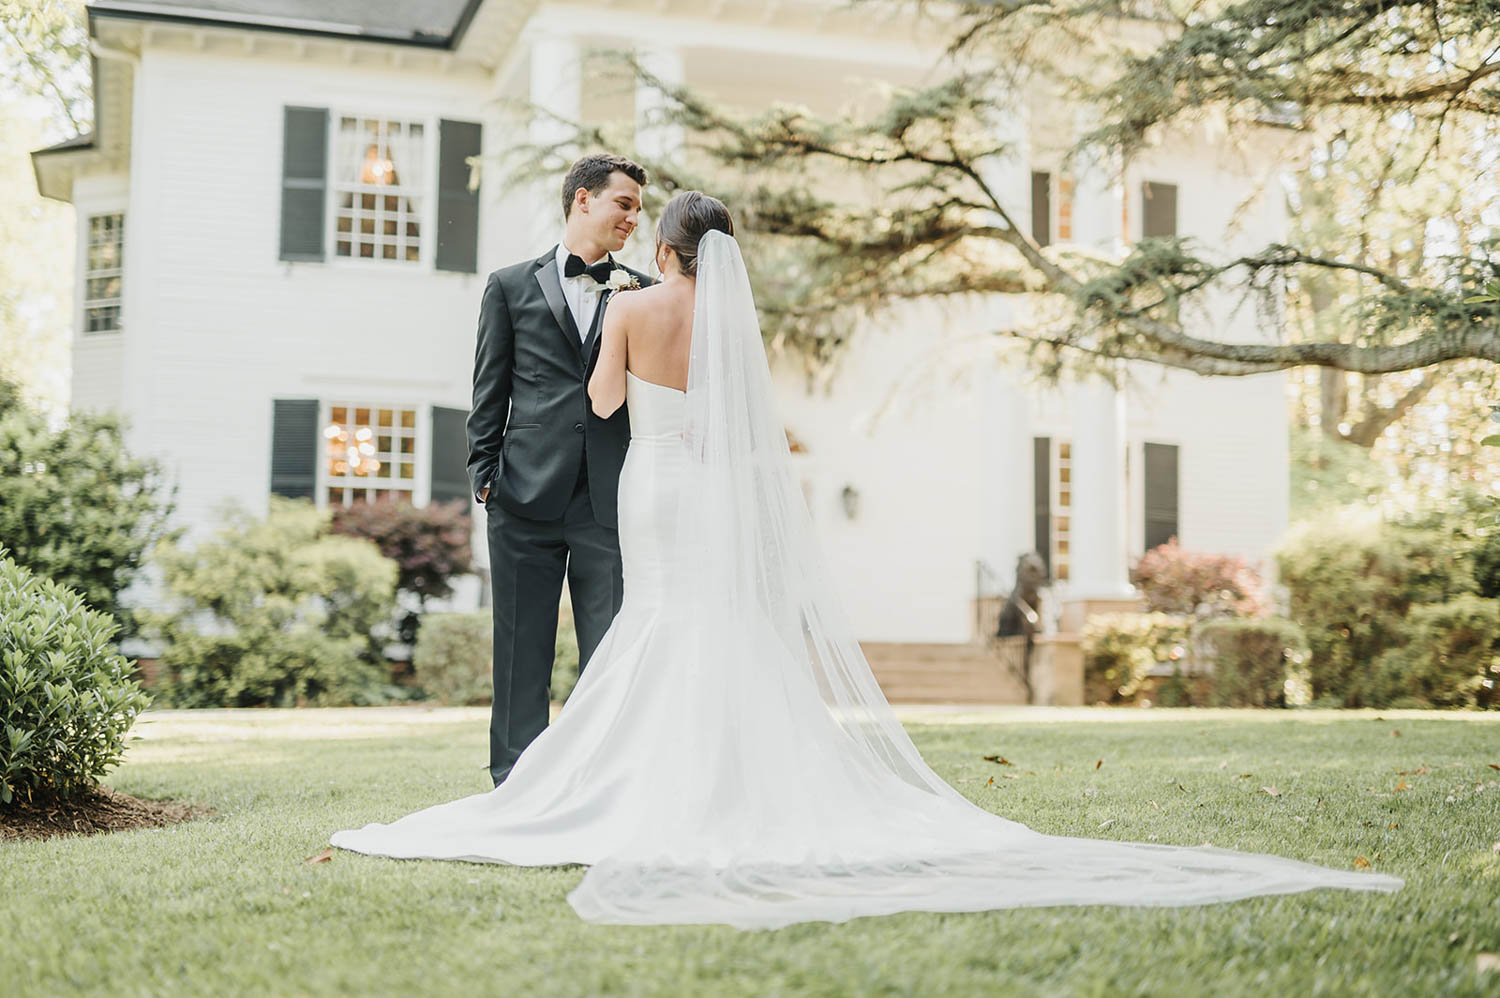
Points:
x=581 y=293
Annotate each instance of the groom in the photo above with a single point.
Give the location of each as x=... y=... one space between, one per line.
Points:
x=545 y=467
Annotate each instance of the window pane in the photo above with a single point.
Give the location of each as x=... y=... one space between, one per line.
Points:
x=379 y=187
x=362 y=461
x=101 y=279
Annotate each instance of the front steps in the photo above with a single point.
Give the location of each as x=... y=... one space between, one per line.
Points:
x=943 y=673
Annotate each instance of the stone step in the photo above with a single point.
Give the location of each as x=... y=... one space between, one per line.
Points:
x=943 y=673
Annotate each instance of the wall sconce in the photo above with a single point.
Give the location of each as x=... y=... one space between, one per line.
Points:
x=849 y=498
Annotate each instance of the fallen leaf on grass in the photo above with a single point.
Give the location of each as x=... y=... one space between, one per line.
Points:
x=1157 y=807
x=1395 y=824
x=1411 y=772
x=1099 y=763
x=1487 y=963
x=1492 y=765
x=990 y=782
x=1000 y=759
x=1360 y=863
x=1395 y=733
x=323 y=857
x=1403 y=785
x=1272 y=791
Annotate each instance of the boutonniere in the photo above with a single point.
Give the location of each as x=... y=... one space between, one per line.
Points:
x=622 y=280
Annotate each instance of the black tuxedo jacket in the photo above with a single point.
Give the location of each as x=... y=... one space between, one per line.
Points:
x=531 y=424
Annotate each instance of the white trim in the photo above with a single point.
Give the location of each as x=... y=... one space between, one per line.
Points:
x=665 y=31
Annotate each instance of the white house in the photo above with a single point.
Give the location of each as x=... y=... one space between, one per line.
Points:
x=278 y=250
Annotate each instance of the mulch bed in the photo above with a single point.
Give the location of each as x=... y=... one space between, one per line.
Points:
x=98 y=810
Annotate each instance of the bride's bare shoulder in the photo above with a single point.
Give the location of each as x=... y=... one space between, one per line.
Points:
x=629 y=303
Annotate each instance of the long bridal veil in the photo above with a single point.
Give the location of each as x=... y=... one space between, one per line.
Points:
x=793 y=793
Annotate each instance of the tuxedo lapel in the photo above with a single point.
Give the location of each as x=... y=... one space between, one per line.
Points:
x=551 y=284
x=591 y=342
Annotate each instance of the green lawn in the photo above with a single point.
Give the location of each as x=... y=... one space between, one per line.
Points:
x=226 y=905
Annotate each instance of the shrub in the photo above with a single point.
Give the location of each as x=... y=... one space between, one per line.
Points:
x=1252 y=660
x=75 y=507
x=1119 y=650
x=66 y=698
x=431 y=545
x=1352 y=580
x=1449 y=658
x=565 y=657
x=1486 y=565
x=452 y=658
x=1177 y=581
x=274 y=612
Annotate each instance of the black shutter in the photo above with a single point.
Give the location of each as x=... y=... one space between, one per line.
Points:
x=450 y=456
x=1041 y=207
x=1159 y=216
x=294 y=447
x=1161 y=493
x=304 y=181
x=458 y=207
x=1041 y=473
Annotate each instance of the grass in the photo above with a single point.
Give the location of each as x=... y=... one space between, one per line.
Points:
x=227 y=905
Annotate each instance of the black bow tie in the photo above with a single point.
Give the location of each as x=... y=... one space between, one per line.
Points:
x=599 y=271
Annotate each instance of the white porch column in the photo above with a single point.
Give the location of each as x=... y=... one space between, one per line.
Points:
x=557 y=91
x=1098 y=197
x=1098 y=552
x=655 y=138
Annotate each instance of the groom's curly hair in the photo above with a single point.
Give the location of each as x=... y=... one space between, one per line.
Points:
x=592 y=172
x=684 y=221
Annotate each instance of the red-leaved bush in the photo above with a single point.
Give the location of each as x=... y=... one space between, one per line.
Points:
x=430 y=544
x=1205 y=585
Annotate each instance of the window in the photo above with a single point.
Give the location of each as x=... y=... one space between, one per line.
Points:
x=370 y=451
x=1162 y=497
x=1052 y=476
x=1062 y=509
x=101 y=279
x=1159 y=216
x=377 y=190
x=1041 y=207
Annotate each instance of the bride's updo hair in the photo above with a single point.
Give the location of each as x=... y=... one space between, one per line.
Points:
x=684 y=221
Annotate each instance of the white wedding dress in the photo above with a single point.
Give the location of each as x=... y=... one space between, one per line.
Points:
x=727 y=756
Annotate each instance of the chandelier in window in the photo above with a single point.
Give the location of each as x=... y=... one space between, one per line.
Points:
x=351 y=453
x=377 y=168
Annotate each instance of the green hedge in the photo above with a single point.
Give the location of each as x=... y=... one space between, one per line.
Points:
x=75 y=506
x=451 y=660
x=1351 y=583
x=1119 y=650
x=66 y=698
x=1449 y=659
x=1253 y=661
x=275 y=612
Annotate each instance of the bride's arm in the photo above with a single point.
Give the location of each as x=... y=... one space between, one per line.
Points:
x=607 y=384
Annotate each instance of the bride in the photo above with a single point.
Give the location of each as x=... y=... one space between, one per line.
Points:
x=727 y=755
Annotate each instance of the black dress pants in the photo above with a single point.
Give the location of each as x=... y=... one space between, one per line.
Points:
x=528 y=560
